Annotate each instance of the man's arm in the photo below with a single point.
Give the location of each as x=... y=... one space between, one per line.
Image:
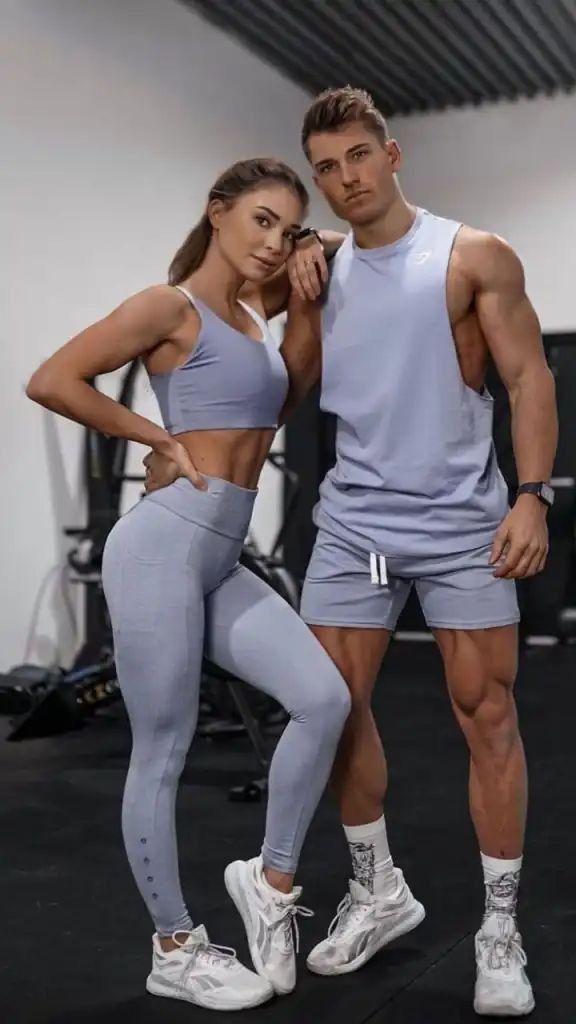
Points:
x=512 y=332
x=306 y=272
x=301 y=350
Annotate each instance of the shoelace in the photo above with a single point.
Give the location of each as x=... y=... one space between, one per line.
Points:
x=346 y=909
x=216 y=955
x=500 y=952
x=288 y=921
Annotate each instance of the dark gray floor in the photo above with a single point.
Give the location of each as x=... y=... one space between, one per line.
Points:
x=75 y=940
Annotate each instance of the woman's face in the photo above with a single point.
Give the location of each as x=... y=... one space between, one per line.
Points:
x=256 y=233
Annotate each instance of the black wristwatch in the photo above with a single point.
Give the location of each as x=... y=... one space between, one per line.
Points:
x=541 y=489
x=307 y=233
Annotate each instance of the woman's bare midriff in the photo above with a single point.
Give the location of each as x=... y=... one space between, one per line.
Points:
x=234 y=455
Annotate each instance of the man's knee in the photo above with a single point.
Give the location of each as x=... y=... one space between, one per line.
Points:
x=490 y=722
x=337 y=704
x=359 y=725
x=360 y=714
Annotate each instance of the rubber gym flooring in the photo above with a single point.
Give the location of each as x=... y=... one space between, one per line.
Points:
x=76 y=941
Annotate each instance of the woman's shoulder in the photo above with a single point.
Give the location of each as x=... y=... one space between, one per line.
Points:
x=165 y=304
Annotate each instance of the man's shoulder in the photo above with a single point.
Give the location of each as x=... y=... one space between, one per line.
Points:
x=480 y=253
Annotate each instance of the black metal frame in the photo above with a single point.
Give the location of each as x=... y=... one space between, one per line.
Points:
x=104 y=476
x=413 y=56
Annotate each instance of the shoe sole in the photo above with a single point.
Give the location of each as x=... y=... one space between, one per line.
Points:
x=506 y=1011
x=162 y=988
x=233 y=880
x=416 y=917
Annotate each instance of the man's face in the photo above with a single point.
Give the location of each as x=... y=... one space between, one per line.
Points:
x=355 y=171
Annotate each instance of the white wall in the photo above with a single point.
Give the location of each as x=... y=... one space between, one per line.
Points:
x=508 y=168
x=118 y=114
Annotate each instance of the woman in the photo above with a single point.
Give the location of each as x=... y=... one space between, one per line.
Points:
x=172 y=579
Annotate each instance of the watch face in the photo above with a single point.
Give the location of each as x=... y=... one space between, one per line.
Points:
x=547 y=493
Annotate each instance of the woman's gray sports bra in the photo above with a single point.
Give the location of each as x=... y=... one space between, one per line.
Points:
x=229 y=381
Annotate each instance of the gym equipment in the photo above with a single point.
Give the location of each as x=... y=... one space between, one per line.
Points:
x=23 y=686
x=104 y=477
x=62 y=700
x=544 y=599
x=310 y=453
x=57 y=700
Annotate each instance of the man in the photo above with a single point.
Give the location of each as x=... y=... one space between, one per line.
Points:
x=415 y=306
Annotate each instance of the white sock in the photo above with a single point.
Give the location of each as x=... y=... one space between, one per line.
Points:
x=371 y=861
x=501 y=879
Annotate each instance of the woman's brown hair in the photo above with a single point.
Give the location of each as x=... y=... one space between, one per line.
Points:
x=244 y=176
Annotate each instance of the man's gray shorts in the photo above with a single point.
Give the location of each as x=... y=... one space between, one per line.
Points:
x=345 y=586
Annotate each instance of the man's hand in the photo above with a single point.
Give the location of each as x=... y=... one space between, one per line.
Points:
x=521 y=543
x=163 y=468
x=307 y=268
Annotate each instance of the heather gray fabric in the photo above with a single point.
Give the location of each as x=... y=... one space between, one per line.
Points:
x=229 y=381
x=174 y=586
x=456 y=591
x=416 y=472
x=415 y=494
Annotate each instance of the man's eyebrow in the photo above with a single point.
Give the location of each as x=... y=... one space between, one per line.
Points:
x=329 y=159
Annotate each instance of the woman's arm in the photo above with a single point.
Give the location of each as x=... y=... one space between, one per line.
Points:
x=133 y=329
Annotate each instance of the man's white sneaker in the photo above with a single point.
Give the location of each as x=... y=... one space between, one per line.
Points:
x=207 y=975
x=270 y=922
x=502 y=987
x=363 y=925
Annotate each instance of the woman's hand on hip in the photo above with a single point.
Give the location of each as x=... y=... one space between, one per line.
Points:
x=167 y=463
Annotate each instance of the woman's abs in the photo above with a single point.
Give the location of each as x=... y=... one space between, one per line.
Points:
x=233 y=455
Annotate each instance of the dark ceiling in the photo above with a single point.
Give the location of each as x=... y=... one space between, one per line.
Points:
x=412 y=55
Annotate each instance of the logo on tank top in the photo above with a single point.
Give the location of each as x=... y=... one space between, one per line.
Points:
x=421 y=257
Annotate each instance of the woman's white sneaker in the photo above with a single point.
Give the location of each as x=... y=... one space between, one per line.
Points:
x=270 y=922
x=502 y=986
x=363 y=925
x=207 y=975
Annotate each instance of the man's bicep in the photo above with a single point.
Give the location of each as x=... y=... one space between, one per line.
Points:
x=507 y=317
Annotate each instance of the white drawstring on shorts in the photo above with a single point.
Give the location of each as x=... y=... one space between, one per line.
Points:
x=378 y=571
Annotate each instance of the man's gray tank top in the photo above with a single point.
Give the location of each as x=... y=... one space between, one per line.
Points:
x=416 y=470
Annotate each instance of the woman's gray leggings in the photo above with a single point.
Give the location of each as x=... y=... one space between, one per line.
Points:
x=174 y=590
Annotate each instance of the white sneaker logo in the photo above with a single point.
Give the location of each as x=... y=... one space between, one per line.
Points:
x=421 y=257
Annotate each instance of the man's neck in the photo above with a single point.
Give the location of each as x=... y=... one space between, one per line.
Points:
x=388 y=228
